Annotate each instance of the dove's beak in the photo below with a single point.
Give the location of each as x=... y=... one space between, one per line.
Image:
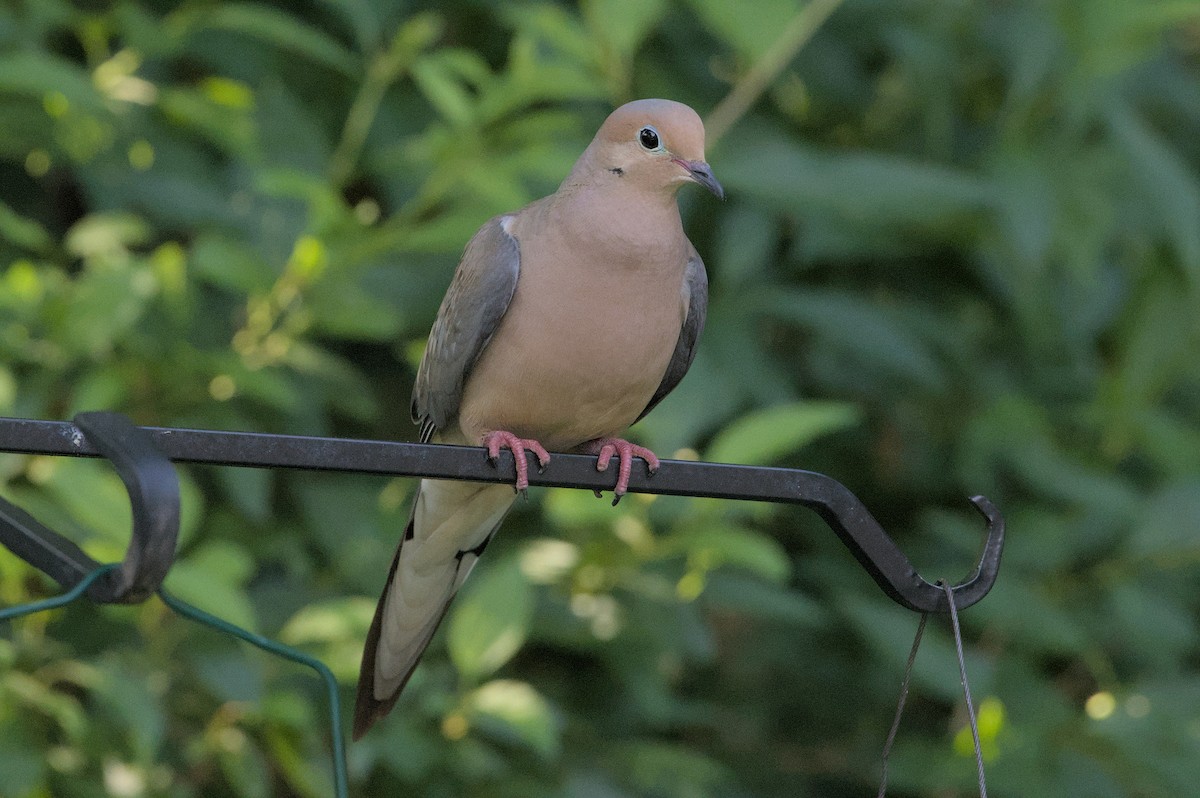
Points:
x=701 y=172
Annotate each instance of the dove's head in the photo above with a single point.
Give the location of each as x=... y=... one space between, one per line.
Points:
x=655 y=144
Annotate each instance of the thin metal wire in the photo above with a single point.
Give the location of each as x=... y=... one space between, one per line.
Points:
x=58 y=601
x=340 y=785
x=962 y=672
x=904 y=683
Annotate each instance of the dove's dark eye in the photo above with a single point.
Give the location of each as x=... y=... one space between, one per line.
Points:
x=648 y=138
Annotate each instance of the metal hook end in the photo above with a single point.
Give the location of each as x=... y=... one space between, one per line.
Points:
x=979 y=583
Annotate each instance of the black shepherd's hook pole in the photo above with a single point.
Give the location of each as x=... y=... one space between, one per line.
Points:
x=836 y=505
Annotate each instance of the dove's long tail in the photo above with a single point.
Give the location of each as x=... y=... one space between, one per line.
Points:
x=450 y=524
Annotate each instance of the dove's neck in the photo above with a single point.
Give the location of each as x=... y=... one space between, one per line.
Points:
x=620 y=220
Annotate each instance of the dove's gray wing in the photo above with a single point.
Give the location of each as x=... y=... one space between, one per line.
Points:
x=695 y=294
x=451 y=522
x=477 y=299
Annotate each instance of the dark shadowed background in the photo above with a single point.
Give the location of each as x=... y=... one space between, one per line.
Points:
x=961 y=254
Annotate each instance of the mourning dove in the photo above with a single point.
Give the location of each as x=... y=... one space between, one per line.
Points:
x=565 y=323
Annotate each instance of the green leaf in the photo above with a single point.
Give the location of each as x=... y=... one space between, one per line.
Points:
x=712 y=545
x=441 y=81
x=103 y=311
x=514 y=711
x=336 y=628
x=213 y=578
x=733 y=591
x=745 y=244
x=283 y=30
x=1169 y=527
x=344 y=309
x=95 y=497
x=245 y=767
x=1161 y=338
x=490 y=620
x=21 y=761
x=336 y=619
x=249 y=490
x=879 y=339
x=103 y=387
x=1168 y=183
x=230 y=128
x=672 y=770
x=866 y=190
x=37 y=75
x=32 y=696
x=230 y=264
x=106 y=234
x=765 y=436
x=363 y=17
x=132 y=703
x=23 y=232
x=637 y=18
x=1155 y=626
x=749 y=33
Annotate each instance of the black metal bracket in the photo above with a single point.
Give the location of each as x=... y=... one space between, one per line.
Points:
x=833 y=502
x=153 y=488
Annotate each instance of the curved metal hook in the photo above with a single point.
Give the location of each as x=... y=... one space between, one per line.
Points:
x=893 y=571
x=977 y=586
x=153 y=488
x=918 y=594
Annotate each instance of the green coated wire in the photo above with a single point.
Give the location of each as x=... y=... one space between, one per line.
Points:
x=341 y=789
x=279 y=649
x=57 y=601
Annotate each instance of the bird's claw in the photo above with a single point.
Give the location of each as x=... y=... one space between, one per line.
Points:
x=605 y=448
x=499 y=439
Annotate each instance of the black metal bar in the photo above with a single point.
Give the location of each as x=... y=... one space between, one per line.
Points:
x=56 y=556
x=844 y=513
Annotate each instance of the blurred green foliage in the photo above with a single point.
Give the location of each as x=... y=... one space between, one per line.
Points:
x=961 y=255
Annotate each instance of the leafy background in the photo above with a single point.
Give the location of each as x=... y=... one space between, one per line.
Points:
x=961 y=254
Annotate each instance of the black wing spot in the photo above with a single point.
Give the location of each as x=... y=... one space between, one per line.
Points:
x=477 y=551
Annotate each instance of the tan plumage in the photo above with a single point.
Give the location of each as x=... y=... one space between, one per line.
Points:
x=565 y=323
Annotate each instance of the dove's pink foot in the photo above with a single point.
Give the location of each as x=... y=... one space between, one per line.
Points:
x=499 y=439
x=605 y=448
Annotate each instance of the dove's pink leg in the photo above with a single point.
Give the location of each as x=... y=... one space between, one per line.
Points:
x=499 y=439
x=605 y=448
